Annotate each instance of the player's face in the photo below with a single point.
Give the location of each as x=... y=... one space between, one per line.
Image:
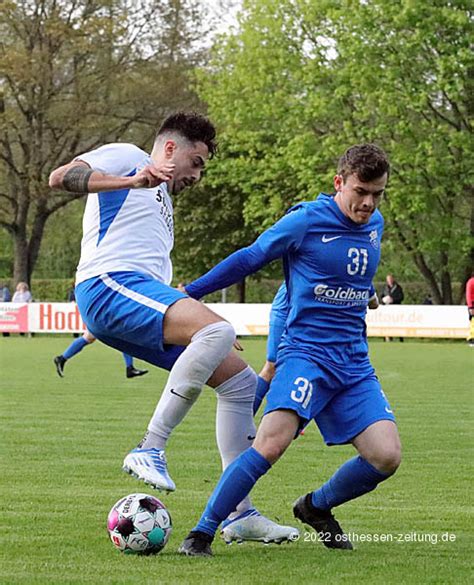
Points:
x=356 y=199
x=190 y=160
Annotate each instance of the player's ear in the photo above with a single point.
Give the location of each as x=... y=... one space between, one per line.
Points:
x=169 y=148
x=338 y=181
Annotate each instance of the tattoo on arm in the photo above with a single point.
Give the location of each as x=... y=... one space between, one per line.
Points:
x=76 y=179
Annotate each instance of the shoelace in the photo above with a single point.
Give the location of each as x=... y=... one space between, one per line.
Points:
x=159 y=461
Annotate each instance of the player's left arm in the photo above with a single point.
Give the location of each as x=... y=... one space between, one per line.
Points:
x=285 y=235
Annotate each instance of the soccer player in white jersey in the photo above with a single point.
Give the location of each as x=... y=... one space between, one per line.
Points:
x=123 y=294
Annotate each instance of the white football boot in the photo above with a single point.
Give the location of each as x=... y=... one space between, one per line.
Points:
x=251 y=525
x=149 y=465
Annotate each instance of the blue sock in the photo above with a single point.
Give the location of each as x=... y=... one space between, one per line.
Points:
x=76 y=346
x=128 y=360
x=260 y=393
x=353 y=479
x=235 y=483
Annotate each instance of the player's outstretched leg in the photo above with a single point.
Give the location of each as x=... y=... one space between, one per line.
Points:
x=209 y=340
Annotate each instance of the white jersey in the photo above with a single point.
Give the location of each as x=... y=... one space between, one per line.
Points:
x=128 y=229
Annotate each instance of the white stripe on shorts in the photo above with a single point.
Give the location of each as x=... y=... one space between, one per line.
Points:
x=131 y=294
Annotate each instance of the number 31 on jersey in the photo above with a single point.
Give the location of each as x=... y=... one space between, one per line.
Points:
x=303 y=391
x=359 y=260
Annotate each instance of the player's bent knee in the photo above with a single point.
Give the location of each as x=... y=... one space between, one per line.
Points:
x=387 y=458
x=271 y=450
x=271 y=445
x=227 y=332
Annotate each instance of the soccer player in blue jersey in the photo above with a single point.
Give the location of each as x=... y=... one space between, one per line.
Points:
x=330 y=249
x=84 y=341
x=124 y=297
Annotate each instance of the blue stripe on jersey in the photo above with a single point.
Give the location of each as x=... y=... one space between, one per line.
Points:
x=110 y=203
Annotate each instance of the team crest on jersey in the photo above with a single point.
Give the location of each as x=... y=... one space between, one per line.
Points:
x=374 y=239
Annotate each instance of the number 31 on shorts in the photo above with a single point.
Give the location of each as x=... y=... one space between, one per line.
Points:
x=303 y=391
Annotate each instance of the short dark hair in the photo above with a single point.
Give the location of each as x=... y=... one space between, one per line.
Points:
x=192 y=126
x=367 y=161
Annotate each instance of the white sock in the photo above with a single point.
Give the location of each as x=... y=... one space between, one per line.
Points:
x=208 y=347
x=235 y=429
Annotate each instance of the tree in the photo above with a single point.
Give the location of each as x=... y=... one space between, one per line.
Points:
x=210 y=223
x=302 y=80
x=75 y=75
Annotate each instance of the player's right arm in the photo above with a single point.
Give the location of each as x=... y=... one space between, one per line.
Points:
x=108 y=168
x=78 y=177
x=284 y=236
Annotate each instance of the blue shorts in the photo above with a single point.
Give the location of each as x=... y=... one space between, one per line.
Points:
x=342 y=399
x=125 y=310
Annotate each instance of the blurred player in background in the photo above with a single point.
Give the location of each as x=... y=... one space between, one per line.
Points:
x=79 y=344
x=331 y=250
x=124 y=297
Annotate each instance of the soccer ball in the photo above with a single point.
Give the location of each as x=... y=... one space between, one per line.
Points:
x=139 y=524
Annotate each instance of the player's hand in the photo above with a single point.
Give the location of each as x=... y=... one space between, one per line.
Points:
x=374 y=302
x=152 y=176
x=181 y=288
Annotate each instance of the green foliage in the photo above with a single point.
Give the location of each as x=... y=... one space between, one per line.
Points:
x=302 y=81
x=51 y=289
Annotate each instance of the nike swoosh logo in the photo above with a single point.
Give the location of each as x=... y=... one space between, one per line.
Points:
x=388 y=410
x=176 y=394
x=325 y=238
x=250 y=438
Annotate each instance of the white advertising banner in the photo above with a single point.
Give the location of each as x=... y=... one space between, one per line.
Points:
x=449 y=321
x=252 y=319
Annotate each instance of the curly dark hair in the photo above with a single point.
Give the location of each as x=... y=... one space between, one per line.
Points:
x=367 y=161
x=192 y=126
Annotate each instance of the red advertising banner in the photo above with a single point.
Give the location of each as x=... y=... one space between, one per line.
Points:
x=14 y=317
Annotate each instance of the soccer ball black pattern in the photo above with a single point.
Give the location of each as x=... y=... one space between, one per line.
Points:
x=139 y=524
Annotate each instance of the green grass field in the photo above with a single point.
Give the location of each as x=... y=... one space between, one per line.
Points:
x=63 y=442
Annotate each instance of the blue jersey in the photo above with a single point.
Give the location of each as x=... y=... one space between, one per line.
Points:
x=329 y=264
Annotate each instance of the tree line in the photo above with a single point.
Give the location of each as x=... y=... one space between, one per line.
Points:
x=290 y=87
